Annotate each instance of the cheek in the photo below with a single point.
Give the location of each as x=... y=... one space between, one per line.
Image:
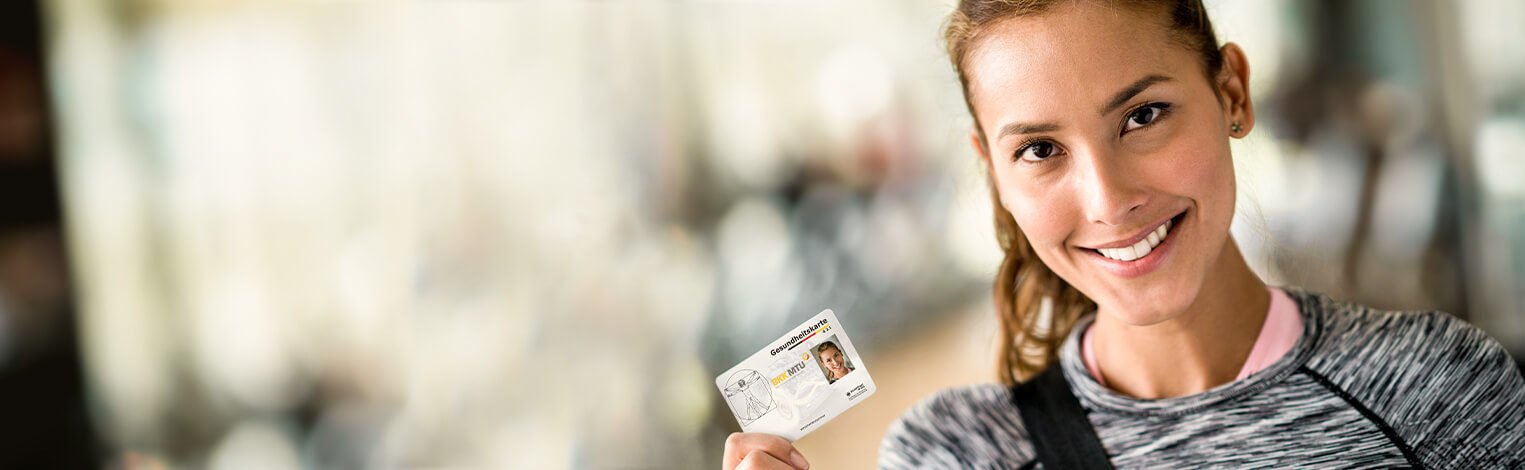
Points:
x=1047 y=226
x=1039 y=211
x=1046 y=216
x=1203 y=170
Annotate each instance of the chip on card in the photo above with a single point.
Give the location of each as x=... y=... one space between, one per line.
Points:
x=798 y=382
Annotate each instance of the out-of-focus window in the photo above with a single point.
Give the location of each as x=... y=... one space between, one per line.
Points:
x=1493 y=75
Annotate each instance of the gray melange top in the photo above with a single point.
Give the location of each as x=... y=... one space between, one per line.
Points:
x=1361 y=388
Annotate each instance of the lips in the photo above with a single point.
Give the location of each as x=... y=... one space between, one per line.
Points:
x=1139 y=249
x=1142 y=253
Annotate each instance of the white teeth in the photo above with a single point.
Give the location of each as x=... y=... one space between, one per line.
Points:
x=1140 y=249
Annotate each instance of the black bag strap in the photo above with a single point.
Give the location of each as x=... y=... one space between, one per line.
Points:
x=1060 y=431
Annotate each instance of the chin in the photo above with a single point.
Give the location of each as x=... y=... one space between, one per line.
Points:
x=1150 y=307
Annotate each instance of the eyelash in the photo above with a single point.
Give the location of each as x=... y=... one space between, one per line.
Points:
x=1022 y=148
x=1163 y=110
x=1162 y=107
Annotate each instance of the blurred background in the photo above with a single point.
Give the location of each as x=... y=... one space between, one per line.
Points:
x=529 y=234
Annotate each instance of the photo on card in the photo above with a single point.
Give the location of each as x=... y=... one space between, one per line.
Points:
x=832 y=359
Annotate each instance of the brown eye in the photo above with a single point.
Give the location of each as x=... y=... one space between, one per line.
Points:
x=1144 y=116
x=1036 y=151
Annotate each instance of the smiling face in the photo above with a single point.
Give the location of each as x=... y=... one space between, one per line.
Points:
x=832 y=357
x=1109 y=146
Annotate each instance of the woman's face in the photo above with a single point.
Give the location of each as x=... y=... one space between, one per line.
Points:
x=1103 y=133
x=833 y=360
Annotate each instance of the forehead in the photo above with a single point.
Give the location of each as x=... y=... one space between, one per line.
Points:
x=1074 y=56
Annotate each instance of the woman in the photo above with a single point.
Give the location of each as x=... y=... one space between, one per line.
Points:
x=834 y=361
x=1105 y=128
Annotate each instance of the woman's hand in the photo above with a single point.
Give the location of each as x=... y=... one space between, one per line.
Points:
x=755 y=450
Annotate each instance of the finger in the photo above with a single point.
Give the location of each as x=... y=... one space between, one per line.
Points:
x=739 y=445
x=759 y=460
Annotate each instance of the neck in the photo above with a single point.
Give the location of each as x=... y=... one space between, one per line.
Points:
x=1200 y=348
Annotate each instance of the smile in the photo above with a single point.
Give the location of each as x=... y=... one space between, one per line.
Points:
x=1141 y=253
x=1140 y=249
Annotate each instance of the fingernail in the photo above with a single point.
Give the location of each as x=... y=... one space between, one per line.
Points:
x=799 y=461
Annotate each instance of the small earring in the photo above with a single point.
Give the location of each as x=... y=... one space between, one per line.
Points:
x=1236 y=128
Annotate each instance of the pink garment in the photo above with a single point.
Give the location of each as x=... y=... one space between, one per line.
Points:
x=1277 y=336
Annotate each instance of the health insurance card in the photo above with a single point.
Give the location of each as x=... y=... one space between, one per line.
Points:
x=798 y=382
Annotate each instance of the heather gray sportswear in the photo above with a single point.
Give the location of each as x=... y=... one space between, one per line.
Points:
x=1362 y=388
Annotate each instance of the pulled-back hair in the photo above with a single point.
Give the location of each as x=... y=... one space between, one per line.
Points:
x=1024 y=286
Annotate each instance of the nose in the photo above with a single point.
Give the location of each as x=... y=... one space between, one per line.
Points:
x=1110 y=190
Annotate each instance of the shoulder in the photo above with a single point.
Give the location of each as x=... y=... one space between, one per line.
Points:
x=1357 y=338
x=957 y=427
x=1437 y=381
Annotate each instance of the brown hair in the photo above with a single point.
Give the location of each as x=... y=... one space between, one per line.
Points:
x=1029 y=343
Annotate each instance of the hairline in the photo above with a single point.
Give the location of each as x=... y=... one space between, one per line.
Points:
x=975 y=44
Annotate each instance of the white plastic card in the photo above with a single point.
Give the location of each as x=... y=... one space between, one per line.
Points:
x=799 y=382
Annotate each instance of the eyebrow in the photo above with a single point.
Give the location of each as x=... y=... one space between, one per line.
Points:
x=1122 y=96
x=1118 y=99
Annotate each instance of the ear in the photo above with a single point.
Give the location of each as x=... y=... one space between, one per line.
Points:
x=979 y=146
x=1234 y=86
